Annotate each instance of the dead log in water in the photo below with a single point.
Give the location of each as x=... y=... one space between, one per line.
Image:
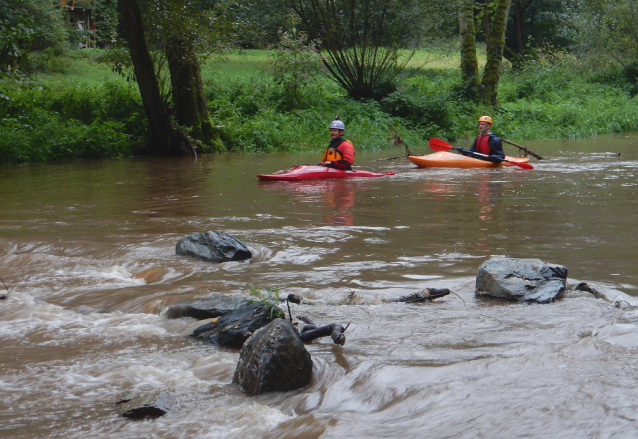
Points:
x=429 y=294
x=313 y=331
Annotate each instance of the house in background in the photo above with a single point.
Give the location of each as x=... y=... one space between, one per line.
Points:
x=78 y=13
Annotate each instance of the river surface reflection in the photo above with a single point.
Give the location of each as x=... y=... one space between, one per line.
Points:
x=78 y=328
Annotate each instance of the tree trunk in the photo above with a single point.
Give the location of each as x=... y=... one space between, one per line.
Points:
x=163 y=139
x=495 y=46
x=519 y=11
x=191 y=109
x=469 y=60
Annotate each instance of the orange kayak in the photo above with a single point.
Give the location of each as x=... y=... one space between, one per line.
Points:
x=444 y=159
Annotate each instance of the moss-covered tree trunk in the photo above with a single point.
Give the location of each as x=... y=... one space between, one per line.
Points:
x=163 y=139
x=191 y=109
x=494 y=52
x=469 y=60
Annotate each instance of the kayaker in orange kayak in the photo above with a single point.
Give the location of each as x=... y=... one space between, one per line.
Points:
x=340 y=152
x=485 y=143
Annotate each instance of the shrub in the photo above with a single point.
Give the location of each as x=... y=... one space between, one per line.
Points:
x=38 y=123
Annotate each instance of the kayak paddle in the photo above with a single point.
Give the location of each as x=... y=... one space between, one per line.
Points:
x=442 y=145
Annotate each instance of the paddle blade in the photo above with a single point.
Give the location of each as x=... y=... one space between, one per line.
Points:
x=440 y=145
x=521 y=165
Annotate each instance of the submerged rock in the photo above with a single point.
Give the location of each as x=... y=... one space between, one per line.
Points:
x=274 y=359
x=521 y=279
x=152 y=405
x=212 y=246
x=234 y=328
x=152 y=275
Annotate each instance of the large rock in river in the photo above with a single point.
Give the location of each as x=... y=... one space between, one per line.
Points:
x=521 y=279
x=274 y=359
x=234 y=328
x=212 y=246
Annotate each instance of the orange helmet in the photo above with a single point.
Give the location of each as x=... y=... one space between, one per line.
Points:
x=485 y=119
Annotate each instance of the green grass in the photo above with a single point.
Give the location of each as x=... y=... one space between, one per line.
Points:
x=86 y=110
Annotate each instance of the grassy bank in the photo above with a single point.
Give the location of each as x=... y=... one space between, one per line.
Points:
x=85 y=110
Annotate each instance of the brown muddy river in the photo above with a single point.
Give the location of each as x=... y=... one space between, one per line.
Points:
x=78 y=329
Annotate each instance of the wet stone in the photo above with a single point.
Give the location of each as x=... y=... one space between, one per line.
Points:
x=234 y=328
x=274 y=359
x=527 y=280
x=152 y=405
x=213 y=246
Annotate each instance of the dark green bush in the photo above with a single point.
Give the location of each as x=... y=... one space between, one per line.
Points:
x=39 y=123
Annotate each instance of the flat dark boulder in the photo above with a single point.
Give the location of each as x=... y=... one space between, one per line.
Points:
x=204 y=308
x=234 y=328
x=274 y=359
x=151 y=405
x=213 y=246
x=528 y=280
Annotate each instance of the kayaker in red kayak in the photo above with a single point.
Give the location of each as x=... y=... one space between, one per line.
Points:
x=340 y=152
x=485 y=143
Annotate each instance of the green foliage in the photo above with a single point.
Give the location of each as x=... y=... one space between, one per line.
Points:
x=28 y=26
x=432 y=103
x=608 y=30
x=249 y=113
x=106 y=18
x=565 y=100
x=39 y=123
x=270 y=298
x=295 y=66
x=78 y=115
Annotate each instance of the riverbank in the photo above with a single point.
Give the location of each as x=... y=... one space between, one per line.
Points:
x=84 y=110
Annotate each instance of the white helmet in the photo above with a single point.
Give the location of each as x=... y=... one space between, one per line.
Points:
x=337 y=124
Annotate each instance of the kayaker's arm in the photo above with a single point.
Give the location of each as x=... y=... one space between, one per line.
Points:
x=468 y=152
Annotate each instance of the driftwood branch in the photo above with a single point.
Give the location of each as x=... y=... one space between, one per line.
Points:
x=3 y=296
x=584 y=287
x=524 y=148
x=335 y=331
x=428 y=294
x=397 y=140
x=312 y=331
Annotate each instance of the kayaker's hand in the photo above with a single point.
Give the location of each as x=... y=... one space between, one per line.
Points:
x=326 y=163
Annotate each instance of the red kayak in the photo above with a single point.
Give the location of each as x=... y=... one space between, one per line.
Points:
x=308 y=172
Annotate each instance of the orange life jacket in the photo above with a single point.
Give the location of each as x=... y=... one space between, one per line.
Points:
x=332 y=153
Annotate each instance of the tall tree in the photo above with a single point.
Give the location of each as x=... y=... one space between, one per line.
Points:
x=163 y=138
x=182 y=30
x=487 y=89
x=179 y=122
x=494 y=52
x=469 y=60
